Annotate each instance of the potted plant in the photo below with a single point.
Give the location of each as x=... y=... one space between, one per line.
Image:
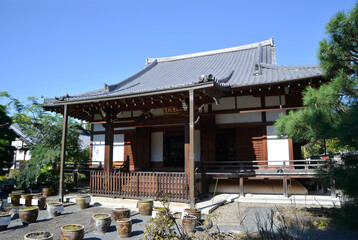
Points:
x=49 y=179
x=72 y=231
x=28 y=214
x=189 y=223
x=124 y=227
x=5 y=219
x=54 y=209
x=14 y=199
x=40 y=201
x=27 y=199
x=119 y=213
x=145 y=207
x=194 y=212
x=40 y=235
x=46 y=191
x=101 y=222
x=83 y=201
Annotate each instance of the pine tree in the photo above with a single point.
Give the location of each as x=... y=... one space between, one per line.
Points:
x=7 y=135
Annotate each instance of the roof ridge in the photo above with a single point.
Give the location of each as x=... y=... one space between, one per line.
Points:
x=288 y=67
x=212 y=52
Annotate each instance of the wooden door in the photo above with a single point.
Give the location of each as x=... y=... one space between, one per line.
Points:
x=143 y=144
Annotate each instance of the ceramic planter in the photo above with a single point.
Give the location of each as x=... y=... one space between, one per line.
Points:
x=14 y=199
x=158 y=211
x=5 y=219
x=26 y=199
x=124 y=227
x=145 y=207
x=119 y=213
x=40 y=201
x=46 y=191
x=83 y=201
x=101 y=222
x=40 y=235
x=54 y=209
x=28 y=214
x=194 y=212
x=189 y=224
x=72 y=232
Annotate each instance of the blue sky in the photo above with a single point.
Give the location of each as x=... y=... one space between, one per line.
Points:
x=53 y=47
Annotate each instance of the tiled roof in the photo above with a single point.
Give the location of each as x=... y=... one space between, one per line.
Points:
x=21 y=134
x=242 y=66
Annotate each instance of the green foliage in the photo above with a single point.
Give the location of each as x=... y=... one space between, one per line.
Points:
x=45 y=129
x=7 y=135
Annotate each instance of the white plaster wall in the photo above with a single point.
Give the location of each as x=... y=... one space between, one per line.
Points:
x=98 y=127
x=118 y=147
x=20 y=155
x=274 y=101
x=16 y=143
x=273 y=115
x=277 y=149
x=97 y=117
x=237 y=118
x=28 y=155
x=137 y=113
x=157 y=147
x=248 y=101
x=225 y=103
x=197 y=145
x=98 y=148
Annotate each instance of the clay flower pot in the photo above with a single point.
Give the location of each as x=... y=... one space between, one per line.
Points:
x=189 y=223
x=54 y=209
x=14 y=199
x=119 y=213
x=145 y=207
x=28 y=214
x=5 y=219
x=40 y=201
x=101 y=222
x=72 y=231
x=158 y=211
x=46 y=191
x=41 y=235
x=28 y=197
x=194 y=212
x=83 y=201
x=21 y=191
x=124 y=227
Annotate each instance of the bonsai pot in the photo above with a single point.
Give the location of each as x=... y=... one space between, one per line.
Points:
x=40 y=201
x=28 y=198
x=21 y=191
x=158 y=211
x=124 y=227
x=145 y=207
x=72 y=231
x=40 y=235
x=194 y=212
x=28 y=214
x=101 y=222
x=83 y=201
x=54 y=209
x=5 y=219
x=119 y=213
x=14 y=199
x=189 y=223
x=46 y=191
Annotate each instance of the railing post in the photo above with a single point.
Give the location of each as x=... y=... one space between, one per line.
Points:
x=242 y=194
x=285 y=192
x=333 y=189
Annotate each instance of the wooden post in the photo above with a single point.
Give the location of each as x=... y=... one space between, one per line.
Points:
x=63 y=153
x=192 y=153
x=285 y=192
x=108 y=148
x=242 y=193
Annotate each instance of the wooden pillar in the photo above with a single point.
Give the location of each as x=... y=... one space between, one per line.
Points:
x=242 y=193
x=108 y=147
x=192 y=152
x=186 y=147
x=63 y=153
x=285 y=187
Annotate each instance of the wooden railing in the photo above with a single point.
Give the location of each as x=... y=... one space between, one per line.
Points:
x=140 y=185
x=265 y=167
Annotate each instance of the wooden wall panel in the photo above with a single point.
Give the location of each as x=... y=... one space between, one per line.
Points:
x=207 y=135
x=143 y=145
x=129 y=148
x=249 y=142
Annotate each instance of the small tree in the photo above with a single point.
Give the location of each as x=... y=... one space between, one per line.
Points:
x=7 y=135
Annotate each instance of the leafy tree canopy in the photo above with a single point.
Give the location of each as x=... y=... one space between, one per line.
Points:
x=331 y=110
x=7 y=135
x=45 y=129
